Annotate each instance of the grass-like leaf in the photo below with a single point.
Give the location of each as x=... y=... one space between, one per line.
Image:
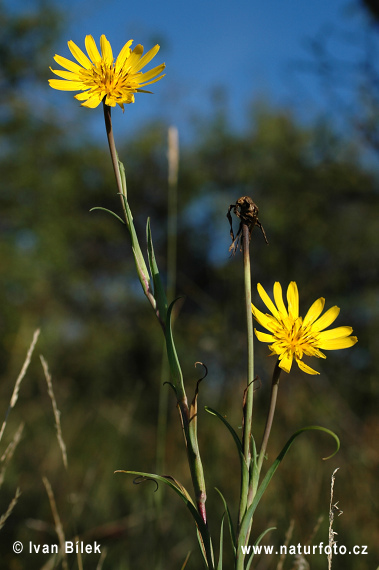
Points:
x=203 y=534
x=219 y=565
x=230 y=522
x=244 y=470
x=176 y=371
x=256 y=544
x=159 y=293
x=270 y=473
x=109 y=212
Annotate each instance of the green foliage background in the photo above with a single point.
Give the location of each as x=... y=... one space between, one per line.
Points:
x=71 y=273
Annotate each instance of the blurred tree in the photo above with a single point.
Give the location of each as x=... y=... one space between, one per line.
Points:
x=373 y=7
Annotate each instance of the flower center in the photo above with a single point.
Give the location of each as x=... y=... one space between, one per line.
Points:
x=294 y=337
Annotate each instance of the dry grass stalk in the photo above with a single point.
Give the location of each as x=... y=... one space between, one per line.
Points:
x=57 y=413
x=57 y=521
x=79 y=556
x=333 y=508
x=8 y=453
x=9 y=510
x=286 y=543
x=101 y=559
x=19 y=379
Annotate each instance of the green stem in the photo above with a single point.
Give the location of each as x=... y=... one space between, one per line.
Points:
x=188 y=418
x=270 y=417
x=112 y=148
x=249 y=394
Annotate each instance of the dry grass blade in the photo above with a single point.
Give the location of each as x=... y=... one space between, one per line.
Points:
x=57 y=414
x=286 y=543
x=19 y=379
x=333 y=508
x=101 y=559
x=57 y=521
x=79 y=556
x=8 y=453
x=9 y=510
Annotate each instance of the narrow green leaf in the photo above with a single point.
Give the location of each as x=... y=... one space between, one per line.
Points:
x=231 y=528
x=109 y=212
x=202 y=546
x=159 y=293
x=257 y=543
x=201 y=528
x=142 y=270
x=183 y=494
x=219 y=565
x=227 y=424
x=176 y=371
x=235 y=437
x=270 y=473
x=121 y=169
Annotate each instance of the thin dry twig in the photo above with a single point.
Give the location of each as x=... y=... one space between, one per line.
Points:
x=8 y=453
x=286 y=543
x=57 y=521
x=19 y=379
x=57 y=413
x=333 y=508
x=102 y=558
x=79 y=556
x=9 y=510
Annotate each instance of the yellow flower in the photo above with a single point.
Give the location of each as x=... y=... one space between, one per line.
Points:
x=100 y=77
x=292 y=336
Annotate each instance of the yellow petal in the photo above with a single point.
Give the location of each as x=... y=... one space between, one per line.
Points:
x=147 y=57
x=123 y=56
x=92 y=101
x=70 y=75
x=134 y=57
x=66 y=63
x=305 y=367
x=334 y=333
x=106 y=50
x=264 y=337
x=327 y=319
x=83 y=96
x=314 y=312
x=267 y=301
x=278 y=297
x=266 y=321
x=285 y=361
x=79 y=55
x=64 y=85
x=338 y=343
x=293 y=300
x=92 y=50
x=149 y=83
x=152 y=73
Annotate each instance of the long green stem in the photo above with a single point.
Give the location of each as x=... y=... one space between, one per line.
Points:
x=112 y=148
x=270 y=415
x=188 y=415
x=249 y=394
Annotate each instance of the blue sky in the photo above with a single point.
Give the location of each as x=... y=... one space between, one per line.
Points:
x=247 y=47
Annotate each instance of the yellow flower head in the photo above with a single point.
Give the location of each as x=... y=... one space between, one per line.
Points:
x=292 y=336
x=100 y=77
